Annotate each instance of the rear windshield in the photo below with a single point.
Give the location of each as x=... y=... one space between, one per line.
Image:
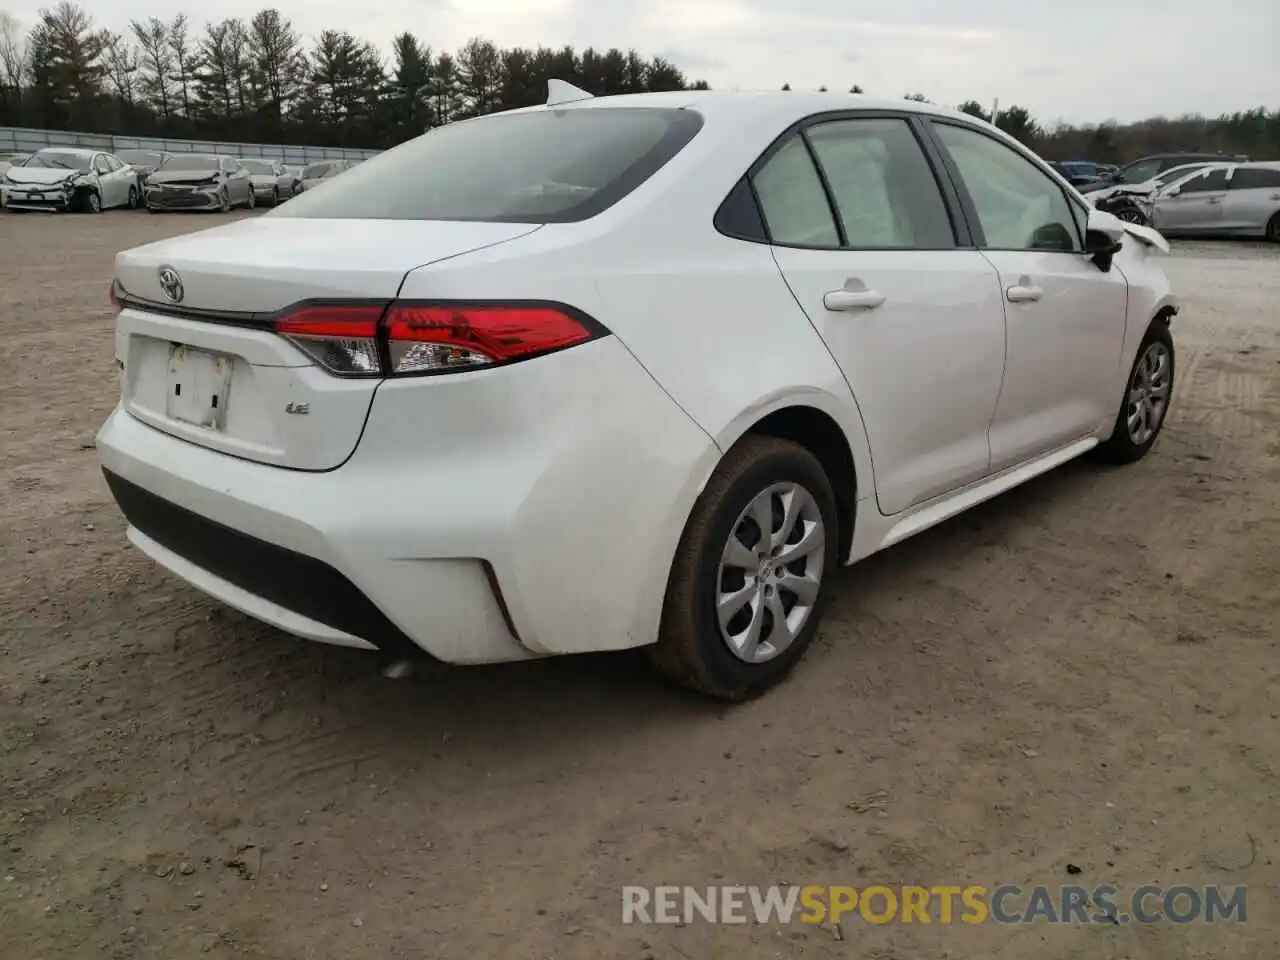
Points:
x=190 y=161
x=543 y=166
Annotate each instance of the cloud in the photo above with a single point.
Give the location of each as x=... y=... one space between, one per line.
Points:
x=1081 y=61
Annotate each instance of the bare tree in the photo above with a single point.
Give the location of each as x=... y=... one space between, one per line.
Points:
x=121 y=58
x=156 y=82
x=185 y=61
x=13 y=55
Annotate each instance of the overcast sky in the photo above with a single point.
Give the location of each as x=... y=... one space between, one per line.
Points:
x=1079 y=60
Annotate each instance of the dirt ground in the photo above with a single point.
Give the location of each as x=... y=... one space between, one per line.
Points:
x=1085 y=672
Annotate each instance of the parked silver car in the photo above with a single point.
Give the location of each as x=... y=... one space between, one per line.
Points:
x=199 y=181
x=272 y=182
x=1238 y=200
x=317 y=173
x=70 y=178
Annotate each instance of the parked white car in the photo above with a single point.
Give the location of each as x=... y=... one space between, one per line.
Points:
x=70 y=178
x=641 y=370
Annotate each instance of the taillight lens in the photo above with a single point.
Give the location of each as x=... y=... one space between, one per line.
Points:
x=407 y=338
x=342 y=338
x=430 y=338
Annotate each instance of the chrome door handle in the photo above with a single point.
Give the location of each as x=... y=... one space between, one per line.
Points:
x=839 y=300
x=1023 y=293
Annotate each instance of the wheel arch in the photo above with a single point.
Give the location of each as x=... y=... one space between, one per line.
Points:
x=836 y=437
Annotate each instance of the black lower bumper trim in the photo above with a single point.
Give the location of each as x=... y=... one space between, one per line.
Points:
x=297 y=582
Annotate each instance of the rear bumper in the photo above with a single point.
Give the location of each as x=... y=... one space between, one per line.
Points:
x=534 y=511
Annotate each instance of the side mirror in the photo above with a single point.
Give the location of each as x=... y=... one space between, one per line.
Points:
x=1103 y=238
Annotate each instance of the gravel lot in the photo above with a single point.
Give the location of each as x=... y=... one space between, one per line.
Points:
x=1085 y=671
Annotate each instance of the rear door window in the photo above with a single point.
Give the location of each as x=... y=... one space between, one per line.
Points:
x=881 y=184
x=544 y=166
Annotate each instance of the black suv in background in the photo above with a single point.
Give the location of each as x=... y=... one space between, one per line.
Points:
x=1142 y=170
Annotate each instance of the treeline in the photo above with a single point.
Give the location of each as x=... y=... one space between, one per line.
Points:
x=258 y=81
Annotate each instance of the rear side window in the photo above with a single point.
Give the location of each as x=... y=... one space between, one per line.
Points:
x=545 y=166
x=882 y=185
x=1255 y=178
x=794 y=205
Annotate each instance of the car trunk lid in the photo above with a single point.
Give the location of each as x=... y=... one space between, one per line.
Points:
x=194 y=336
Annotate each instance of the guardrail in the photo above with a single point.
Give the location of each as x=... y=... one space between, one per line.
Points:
x=28 y=140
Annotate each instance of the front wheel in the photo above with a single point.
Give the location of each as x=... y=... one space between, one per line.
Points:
x=224 y=201
x=1132 y=215
x=749 y=580
x=92 y=203
x=1273 y=229
x=252 y=201
x=1146 y=399
x=133 y=198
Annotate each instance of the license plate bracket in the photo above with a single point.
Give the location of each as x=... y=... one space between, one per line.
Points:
x=199 y=386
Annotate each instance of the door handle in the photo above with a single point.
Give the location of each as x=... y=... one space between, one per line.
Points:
x=852 y=300
x=1023 y=293
x=1214 y=200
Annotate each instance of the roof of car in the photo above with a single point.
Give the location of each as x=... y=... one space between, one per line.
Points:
x=75 y=151
x=758 y=103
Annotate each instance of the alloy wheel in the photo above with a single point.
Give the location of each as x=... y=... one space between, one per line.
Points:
x=1148 y=394
x=770 y=572
x=1132 y=215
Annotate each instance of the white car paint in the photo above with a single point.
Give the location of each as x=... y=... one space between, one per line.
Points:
x=568 y=479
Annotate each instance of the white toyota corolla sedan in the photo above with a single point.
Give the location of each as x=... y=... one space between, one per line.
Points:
x=626 y=371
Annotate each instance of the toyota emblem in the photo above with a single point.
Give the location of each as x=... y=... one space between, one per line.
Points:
x=171 y=284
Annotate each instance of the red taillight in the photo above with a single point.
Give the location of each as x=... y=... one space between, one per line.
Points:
x=425 y=338
x=342 y=338
x=369 y=340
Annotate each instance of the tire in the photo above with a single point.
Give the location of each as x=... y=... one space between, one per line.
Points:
x=1273 y=229
x=693 y=649
x=1127 y=443
x=133 y=198
x=275 y=197
x=251 y=201
x=224 y=201
x=1132 y=214
x=91 y=202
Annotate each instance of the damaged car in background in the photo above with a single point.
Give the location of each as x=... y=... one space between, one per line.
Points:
x=199 y=181
x=1227 y=200
x=70 y=178
x=1131 y=202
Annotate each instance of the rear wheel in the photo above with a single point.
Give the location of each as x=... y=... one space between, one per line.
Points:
x=748 y=583
x=1273 y=229
x=1146 y=399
